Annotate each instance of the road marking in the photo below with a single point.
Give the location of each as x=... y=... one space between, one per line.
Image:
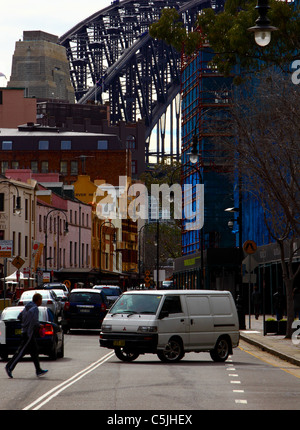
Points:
x=238 y=391
x=241 y=401
x=235 y=382
x=38 y=403
x=233 y=374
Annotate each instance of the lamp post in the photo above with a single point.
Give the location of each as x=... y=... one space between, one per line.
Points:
x=17 y=210
x=100 y=244
x=46 y=233
x=139 y=233
x=194 y=158
x=262 y=29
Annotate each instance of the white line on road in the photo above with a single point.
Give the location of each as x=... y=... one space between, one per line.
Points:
x=38 y=403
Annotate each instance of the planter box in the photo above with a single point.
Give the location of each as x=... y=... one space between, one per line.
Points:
x=277 y=327
x=271 y=327
x=281 y=327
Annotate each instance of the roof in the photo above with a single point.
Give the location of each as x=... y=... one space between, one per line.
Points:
x=181 y=292
x=6 y=132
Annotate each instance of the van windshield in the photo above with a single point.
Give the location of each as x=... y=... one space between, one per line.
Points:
x=136 y=304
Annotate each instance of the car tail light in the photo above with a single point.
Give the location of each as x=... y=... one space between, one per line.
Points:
x=21 y=303
x=67 y=306
x=48 y=330
x=49 y=302
x=103 y=307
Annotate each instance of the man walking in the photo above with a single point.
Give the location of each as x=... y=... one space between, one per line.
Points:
x=30 y=324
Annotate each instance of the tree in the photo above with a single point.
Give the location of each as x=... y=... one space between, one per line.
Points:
x=266 y=120
x=228 y=35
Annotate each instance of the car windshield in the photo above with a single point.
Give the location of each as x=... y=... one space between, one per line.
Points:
x=85 y=298
x=111 y=291
x=136 y=303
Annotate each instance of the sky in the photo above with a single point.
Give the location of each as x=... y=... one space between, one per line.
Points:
x=55 y=17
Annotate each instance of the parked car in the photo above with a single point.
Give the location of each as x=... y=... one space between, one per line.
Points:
x=56 y=286
x=112 y=292
x=50 y=339
x=62 y=297
x=85 y=308
x=49 y=299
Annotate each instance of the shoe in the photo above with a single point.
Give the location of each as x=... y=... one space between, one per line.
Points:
x=8 y=371
x=41 y=372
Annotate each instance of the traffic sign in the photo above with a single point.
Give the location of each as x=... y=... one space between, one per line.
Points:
x=18 y=262
x=250 y=247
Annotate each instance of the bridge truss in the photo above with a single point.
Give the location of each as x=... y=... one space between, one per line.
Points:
x=113 y=59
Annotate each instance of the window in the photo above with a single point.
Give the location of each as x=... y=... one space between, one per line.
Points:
x=19 y=244
x=34 y=166
x=130 y=142
x=1 y=97
x=64 y=167
x=26 y=209
x=43 y=145
x=71 y=255
x=26 y=246
x=102 y=144
x=44 y=166
x=14 y=164
x=4 y=166
x=134 y=167
x=6 y=145
x=172 y=304
x=74 y=168
x=1 y=202
x=65 y=145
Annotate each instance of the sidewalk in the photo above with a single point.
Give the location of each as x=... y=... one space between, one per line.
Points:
x=274 y=344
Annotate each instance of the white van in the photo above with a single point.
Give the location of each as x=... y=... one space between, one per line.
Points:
x=170 y=323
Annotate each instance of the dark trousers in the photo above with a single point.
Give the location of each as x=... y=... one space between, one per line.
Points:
x=28 y=345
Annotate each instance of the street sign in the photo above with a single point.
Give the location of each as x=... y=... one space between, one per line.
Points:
x=147 y=278
x=249 y=278
x=250 y=247
x=18 y=262
x=249 y=263
x=6 y=247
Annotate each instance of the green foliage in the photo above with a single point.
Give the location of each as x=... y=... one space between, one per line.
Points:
x=228 y=35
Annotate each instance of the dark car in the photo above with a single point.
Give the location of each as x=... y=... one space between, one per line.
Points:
x=50 y=338
x=85 y=308
x=112 y=292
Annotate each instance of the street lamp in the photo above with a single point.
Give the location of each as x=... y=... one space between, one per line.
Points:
x=262 y=30
x=17 y=209
x=46 y=233
x=100 y=244
x=194 y=158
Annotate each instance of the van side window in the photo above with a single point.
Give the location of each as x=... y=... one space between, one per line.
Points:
x=172 y=304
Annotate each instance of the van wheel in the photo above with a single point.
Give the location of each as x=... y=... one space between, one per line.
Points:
x=125 y=355
x=172 y=353
x=221 y=351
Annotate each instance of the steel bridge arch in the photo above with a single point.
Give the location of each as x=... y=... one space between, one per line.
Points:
x=112 y=58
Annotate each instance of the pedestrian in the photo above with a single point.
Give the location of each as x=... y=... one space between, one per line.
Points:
x=278 y=304
x=30 y=325
x=256 y=301
x=296 y=295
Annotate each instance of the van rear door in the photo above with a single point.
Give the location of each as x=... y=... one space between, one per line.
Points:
x=201 y=324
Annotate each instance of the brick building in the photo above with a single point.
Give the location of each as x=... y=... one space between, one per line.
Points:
x=15 y=108
x=45 y=150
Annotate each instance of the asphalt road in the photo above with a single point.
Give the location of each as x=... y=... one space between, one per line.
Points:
x=92 y=378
